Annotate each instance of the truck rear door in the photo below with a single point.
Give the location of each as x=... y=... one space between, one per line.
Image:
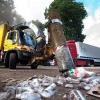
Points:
x=72 y=48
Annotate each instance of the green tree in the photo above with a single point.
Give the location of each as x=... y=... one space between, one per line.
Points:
x=18 y=19
x=8 y=12
x=39 y=24
x=72 y=13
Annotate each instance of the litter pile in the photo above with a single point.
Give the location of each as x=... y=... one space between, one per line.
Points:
x=40 y=87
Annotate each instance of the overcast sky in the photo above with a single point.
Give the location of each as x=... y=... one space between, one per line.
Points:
x=34 y=9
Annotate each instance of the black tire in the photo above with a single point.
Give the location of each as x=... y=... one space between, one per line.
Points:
x=7 y=62
x=88 y=63
x=34 y=65
x=12 y=61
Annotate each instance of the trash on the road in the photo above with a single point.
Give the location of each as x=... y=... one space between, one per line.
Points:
x=88 y=86
x=69 y=85
x=45 y=86
x=34 y=83
x=46 y=80
x=80 y=73
x=51 y=87
x=75 y=95
x=49 y=91
x=8 y=95
x=95 y=80
x=4 y=96
x=65 y=96
x=63 y=58
x=85 y=86
x=29 y=96
x=23 y=84
x=87 y=79
x=95 y=91
x=59 y=80
x=38 y=89
x=90 y=82
x=72 y=80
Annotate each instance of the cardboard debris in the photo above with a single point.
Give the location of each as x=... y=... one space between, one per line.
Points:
x=95 y=89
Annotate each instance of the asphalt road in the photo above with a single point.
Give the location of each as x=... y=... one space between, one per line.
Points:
x=24 y=72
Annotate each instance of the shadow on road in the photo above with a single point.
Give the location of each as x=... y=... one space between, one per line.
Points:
x=28 y=67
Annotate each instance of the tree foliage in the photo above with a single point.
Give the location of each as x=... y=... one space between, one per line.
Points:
x=39 y=24
x=8 y=12
x=72 y=13
x=6 y=8
x=18 y=19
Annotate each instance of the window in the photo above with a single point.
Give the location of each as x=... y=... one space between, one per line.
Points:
x=12 y=36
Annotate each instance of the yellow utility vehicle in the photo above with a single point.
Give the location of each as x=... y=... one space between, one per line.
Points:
x=23 y=44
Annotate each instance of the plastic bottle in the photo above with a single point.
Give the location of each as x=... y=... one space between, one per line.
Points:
x=29 y=96
x=51 y=87
x=49 y=91
x=72 y=80
x=64 y=59
x=3 y=95
x=9 y=95
x=75 y=95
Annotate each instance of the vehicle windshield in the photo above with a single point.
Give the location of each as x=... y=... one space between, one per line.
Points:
x=27 y=38
x=30 y=35
x=29 y=41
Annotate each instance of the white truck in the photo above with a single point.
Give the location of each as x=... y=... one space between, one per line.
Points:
x=84 y=54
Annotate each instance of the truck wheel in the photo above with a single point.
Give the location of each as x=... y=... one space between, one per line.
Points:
x=12 y=61
x=88 y=63
x=6 y=63
x=6 y=60
x=34 y=65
